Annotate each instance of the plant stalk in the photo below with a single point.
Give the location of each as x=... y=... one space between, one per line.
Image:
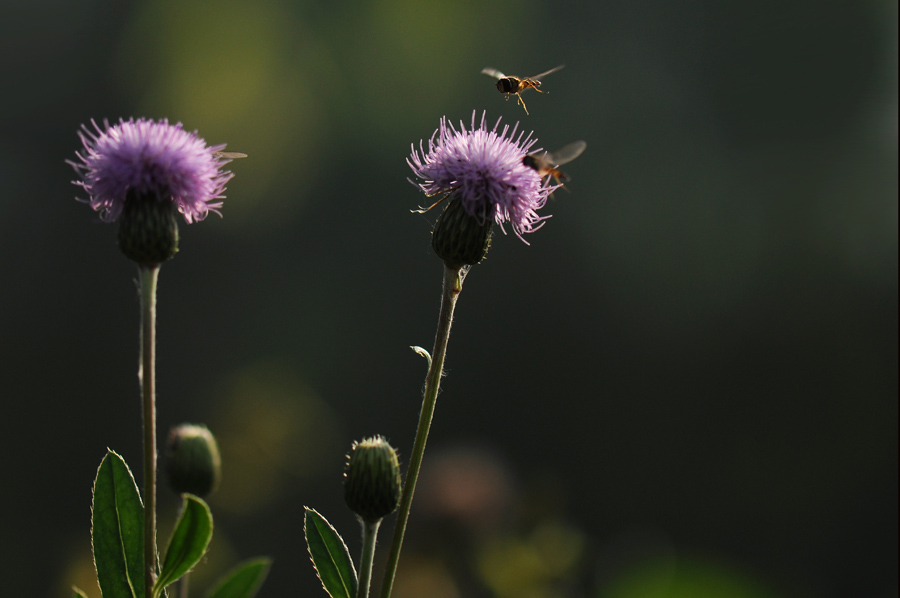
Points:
x=147 y=376
x=183 y=584
x=453 y=279
x=370 y=534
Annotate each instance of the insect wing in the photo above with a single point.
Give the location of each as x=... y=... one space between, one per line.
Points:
x=230 y=155
x=567 y=153
x=545 y=73
x=493 y=73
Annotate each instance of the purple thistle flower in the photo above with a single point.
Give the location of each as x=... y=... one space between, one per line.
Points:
x=151 y=159
x=484 y=169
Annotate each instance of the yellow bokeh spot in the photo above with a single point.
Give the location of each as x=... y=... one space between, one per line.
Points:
x=272 y=430
x=238 y=73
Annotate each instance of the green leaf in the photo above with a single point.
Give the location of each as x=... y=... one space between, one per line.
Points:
x=330 y=556
x=188 y=543
x=117 y=529
x=244 y=580
x=78 y=592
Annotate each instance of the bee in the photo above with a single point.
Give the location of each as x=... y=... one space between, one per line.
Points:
x=509 y=84
x=547 y=163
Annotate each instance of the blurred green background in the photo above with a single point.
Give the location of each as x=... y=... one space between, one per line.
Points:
x=686 y=386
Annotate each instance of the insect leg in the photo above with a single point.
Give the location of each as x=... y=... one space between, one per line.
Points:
x=521 y=101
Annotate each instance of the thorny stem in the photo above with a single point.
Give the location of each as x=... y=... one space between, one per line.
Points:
x=147 y=376
x=453 y=279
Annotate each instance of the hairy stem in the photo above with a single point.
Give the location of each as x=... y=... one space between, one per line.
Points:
x=370 y=534
x=147 y=375
x=453 y=279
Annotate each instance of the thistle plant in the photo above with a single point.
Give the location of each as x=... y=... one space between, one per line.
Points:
x=480 y=174
x=142 y=174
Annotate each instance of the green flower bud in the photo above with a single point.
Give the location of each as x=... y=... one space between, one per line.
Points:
x=148 y=229
x=192 y=460
x=372 y=479
x=460 y=239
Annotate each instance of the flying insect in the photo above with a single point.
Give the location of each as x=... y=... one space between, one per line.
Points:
x=547 y=163
x=509 y=84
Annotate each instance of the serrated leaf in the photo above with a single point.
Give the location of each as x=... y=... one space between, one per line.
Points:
x=117 y=529
x=330 y=556
x=188 y=543
x=78 y=592
x=244 y=580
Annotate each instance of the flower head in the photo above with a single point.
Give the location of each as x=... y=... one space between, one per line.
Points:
x=483 y=169
x=152 y=160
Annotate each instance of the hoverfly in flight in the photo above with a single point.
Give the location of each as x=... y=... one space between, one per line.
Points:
x=509 y=84
x=547 y=163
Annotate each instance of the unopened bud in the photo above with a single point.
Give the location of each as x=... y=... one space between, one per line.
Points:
x=372 y=479
x=192 y=460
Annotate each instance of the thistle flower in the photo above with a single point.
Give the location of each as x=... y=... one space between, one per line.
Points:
x=142 y=173
x=483 y=170
x=144 y=158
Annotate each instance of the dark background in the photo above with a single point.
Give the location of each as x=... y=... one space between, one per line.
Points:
x=685 y=386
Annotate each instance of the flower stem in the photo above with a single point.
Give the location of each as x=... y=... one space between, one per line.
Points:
x=453 y=279
x=147 y=375
x=183 y=585
x=370 y=534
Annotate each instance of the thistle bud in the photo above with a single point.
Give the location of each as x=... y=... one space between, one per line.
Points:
x=192 y=460
x=372 y=479
x=148 y=229
x=459 y=238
